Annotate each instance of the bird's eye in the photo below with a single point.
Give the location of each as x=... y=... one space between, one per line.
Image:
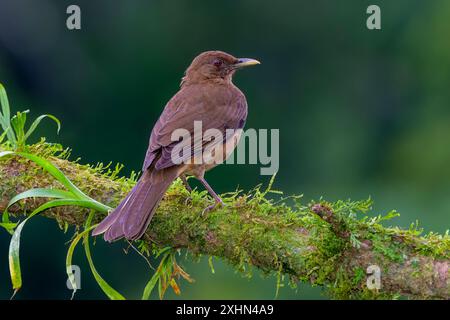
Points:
x=218 y=62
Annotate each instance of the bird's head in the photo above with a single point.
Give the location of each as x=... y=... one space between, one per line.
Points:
x=215 y=66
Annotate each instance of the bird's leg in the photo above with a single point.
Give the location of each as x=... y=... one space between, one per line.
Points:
x=188 y=188
x=216 y=197
x=185 y=183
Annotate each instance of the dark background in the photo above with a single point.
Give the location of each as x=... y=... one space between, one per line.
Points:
x=361 y=113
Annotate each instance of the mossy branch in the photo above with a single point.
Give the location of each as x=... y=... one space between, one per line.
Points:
x=325 y=244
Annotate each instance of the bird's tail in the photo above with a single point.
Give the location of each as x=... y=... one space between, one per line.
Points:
x=132 y=216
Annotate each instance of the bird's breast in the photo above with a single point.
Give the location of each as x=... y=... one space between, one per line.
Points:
x=213 y=155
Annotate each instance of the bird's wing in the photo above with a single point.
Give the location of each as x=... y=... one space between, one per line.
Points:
x=180 y=113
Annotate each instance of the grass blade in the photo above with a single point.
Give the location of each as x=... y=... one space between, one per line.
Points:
x=5 y=116
x=3 y=135
x=150 y=286
x=14 y=246
x=158 y=275
x=54 y=171
x=63 y=198
x=18 y=124
x=8 y=226
x=5 y=103
x=72 y=202
x=38 y=120
x=58 y=175
x=6 y=222
x=50 y=168
x=41 y=193
x=70 y=251
x=14 y=259
x=107 y=289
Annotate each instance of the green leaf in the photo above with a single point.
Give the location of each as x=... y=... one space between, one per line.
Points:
x=14 y=260
x=9 y=226
x=63 y=198
x=6 y=223
x=14 y=247
x=18 y=124
x=14 y=127
x=159 y=274
x=41 y=193
x=5 y=217
x=107 y=289
x=50 y=168
x=72 y=202
x=150 y=286
x=5 y=116
x=5 y=103
x=211 y=265
x=3 y=135
x=38 y=120
x=58 y=175
x=70 y=251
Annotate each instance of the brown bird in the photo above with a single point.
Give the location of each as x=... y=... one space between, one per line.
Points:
x=207 y=94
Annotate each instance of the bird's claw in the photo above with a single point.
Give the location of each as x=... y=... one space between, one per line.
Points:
x=188 y=200
x=212 y=207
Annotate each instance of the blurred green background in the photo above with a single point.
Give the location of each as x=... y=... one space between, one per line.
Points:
x=361 y=113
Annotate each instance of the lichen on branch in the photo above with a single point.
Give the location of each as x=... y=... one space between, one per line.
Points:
x=325 y=244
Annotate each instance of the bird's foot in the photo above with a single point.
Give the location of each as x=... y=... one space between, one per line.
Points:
x=212 y=207
x=188 y=200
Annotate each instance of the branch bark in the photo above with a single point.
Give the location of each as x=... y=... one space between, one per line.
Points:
x=320 y=244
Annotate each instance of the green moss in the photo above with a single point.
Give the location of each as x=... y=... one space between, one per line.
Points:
x=252 y=230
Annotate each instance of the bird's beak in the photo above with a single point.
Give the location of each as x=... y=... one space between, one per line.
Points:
x=245 y=62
